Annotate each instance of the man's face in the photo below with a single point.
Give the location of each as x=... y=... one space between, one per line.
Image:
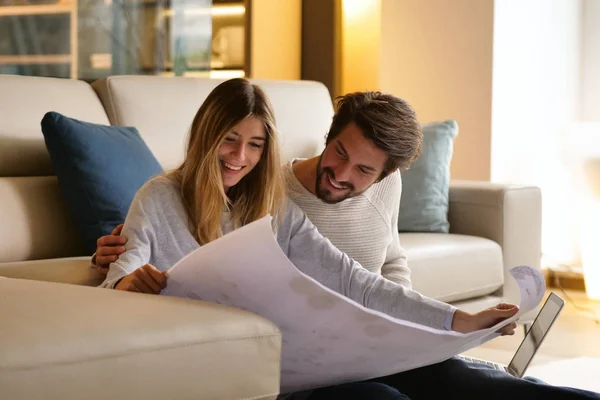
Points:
x=348 y=166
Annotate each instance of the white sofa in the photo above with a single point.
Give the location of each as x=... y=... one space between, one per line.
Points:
x=59 y=340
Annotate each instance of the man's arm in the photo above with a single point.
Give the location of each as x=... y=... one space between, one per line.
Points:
x=108 y=250
x=395 y=267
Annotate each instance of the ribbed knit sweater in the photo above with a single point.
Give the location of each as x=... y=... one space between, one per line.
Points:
x=365 y=226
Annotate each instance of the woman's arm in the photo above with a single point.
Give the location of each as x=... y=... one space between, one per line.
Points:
x=139 y=231
x=314 y=255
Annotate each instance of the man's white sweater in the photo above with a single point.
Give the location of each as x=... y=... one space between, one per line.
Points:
x=365 y=226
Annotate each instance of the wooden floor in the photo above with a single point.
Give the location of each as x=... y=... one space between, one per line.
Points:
x=574 y=334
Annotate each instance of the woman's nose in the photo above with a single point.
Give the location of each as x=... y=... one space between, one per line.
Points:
x=239 y=152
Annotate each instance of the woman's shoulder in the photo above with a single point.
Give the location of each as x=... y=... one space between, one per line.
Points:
x=160 y=182
x=158 y=187
x=290 y=210
x=290 y=217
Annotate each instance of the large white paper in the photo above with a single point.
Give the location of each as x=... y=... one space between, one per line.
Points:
x=327 y=338
x=532 y=286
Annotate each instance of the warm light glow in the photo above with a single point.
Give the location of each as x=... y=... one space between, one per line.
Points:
x=589 y=218
x=590 y=254
x=214 y=11
x=212 y=74
x=227 y=74
x=228 y=10
x=584 y=151
x=357 y=8
x=360 y=45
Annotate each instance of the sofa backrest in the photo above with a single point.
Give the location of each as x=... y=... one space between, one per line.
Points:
x=163 y=108
x=35 y=223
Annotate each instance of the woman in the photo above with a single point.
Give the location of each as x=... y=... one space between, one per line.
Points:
x=230 y=177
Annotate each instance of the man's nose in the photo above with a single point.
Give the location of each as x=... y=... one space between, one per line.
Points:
x=342 y=172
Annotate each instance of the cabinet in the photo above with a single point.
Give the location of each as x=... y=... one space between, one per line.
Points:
x=90 y=39
x=39 y=38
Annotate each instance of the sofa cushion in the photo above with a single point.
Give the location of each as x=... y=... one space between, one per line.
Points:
x=36 y=223
x=452 y=267
x=424 y=203
x=99 y=169
x=23 y=102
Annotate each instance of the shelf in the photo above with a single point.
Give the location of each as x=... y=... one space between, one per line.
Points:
x=212 y=74
x=36 y=9
x=35 y=59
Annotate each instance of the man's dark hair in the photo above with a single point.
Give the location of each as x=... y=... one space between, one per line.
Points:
x=388 y=121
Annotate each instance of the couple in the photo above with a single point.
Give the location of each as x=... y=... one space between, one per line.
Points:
x=232 y=176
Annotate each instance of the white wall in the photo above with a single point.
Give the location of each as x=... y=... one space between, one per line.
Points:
x=437 y=54
x=535 y=101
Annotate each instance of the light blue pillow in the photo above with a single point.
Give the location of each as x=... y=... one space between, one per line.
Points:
x=99 y=168
x=424 y=203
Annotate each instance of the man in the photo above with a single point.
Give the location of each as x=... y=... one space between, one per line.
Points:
x=351 y=192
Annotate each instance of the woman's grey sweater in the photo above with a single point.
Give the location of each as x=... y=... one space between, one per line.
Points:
x=157 y=230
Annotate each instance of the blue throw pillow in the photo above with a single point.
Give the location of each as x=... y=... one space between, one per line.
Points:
x=424 y=203
x=99 y=168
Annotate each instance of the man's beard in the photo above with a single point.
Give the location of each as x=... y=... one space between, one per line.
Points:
x=324 y=194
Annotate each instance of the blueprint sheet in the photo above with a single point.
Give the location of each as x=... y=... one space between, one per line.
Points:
x=327 y=338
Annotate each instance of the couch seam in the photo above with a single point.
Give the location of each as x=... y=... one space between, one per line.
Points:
x=112 y=103
x=471 y=203
x=127 y=354
x=505 y=267
x=470 y=292
x=437 y=257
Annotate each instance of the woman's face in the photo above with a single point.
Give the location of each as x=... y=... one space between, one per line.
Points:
x=241 y=150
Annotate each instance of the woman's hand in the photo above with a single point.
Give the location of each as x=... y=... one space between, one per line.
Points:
x=147 y=279
x=465 y=322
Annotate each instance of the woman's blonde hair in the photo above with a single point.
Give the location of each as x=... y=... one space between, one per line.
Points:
x=259 y=193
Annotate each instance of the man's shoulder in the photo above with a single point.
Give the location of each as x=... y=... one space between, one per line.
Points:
x=294 y=187
x=389 y=186
x=384 y=195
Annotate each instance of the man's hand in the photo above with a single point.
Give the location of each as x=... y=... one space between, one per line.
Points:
x=465 y=322
x=108 y=250
x=147 y=279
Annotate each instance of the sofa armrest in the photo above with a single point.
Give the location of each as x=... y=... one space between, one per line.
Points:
x=64 y=341
x=510 y=215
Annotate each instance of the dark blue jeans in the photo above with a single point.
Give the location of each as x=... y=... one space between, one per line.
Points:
x=458 y=379
x=451 y=379
x=351 y=391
